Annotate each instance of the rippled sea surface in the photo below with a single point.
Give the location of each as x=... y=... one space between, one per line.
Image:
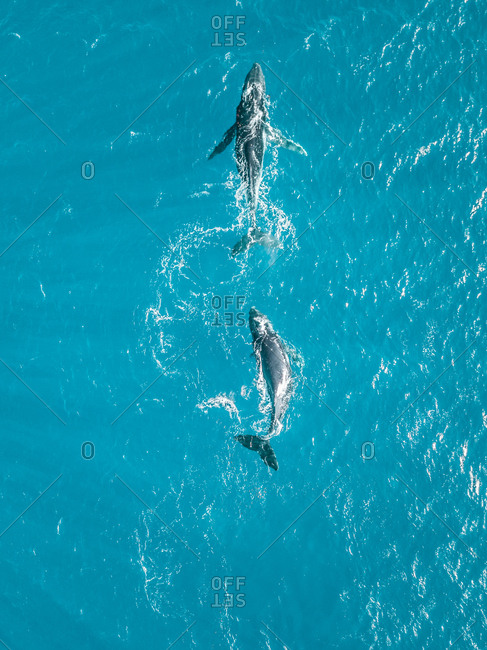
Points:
x=116 y=339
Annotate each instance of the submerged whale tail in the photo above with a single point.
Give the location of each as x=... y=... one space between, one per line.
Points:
x=262 y=446
x=254 y=236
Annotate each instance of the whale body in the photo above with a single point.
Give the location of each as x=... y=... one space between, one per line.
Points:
x=251 y=131
x=273 y=365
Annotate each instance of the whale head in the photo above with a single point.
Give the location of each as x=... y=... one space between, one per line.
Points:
x=254 y=86
x=255 y=76
x=258 y=323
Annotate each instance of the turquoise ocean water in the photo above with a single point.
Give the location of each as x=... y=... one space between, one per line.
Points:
x=372 y=534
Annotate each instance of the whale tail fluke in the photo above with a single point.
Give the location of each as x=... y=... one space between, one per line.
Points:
x=255 y=236
x=262 y=447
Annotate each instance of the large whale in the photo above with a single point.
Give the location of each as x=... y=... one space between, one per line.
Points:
x=251 y=131
x=273 y=365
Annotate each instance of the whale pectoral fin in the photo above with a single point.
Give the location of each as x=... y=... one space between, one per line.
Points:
x=276 y=137
x=296 y=363
x=262 y=446
x=227 y=138
x=293 y=354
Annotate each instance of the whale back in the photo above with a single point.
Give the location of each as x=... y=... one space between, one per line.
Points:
x=250 y=142
x=273 y=363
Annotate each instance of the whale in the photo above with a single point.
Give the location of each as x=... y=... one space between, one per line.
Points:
x=274 y=367
x=252 y=131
